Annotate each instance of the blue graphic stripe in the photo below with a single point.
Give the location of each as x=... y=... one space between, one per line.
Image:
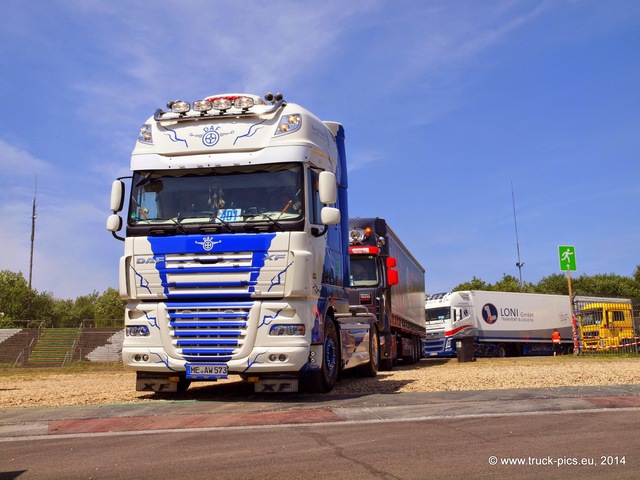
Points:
x=207 y=351
x=209 y=284
x=209 y=315
x=195 y=244
x=208 y=342
x=208 y=305
x=208 y=251
x=197 y=359
x=211 y=333
x=177 y=269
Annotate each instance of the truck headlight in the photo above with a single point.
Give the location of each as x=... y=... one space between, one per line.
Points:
x=138 y=331
x=279 y=330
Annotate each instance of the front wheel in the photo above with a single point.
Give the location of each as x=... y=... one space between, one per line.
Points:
x=323 y=380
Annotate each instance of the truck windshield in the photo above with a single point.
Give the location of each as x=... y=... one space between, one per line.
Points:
x=225 y=195
x=438 y=314
x=593 y=317
x=364 y=272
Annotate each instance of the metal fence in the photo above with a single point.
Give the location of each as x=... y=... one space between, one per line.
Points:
x=608 y=325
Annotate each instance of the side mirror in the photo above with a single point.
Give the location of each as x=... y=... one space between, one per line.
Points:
x=330 y=215
x=117 y=196
x=327 y=188
x=114 y=223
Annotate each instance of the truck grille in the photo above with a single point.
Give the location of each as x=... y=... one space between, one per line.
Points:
x=220 y=274
x=203 y=332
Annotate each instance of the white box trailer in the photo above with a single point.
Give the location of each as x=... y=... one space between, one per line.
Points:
x=501 y=323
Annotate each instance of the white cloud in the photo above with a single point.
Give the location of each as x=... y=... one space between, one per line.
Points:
x=17 y=162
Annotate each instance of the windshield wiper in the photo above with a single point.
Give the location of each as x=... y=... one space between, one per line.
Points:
x=176 y=220
x=216 y=226
x=269 y=219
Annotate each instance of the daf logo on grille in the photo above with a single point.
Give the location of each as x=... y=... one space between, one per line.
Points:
x=208 y=243
x=144 y=260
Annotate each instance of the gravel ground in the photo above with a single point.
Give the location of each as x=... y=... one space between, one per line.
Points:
x=112 y=384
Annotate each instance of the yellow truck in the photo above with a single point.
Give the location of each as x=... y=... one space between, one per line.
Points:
x=606 y=324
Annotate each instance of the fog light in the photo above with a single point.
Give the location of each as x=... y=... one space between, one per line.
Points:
x=221 y=103
x=145 y=135
x=137 y=357
x=272 y=357
x=243 y=103
x=282 y=357
x=289 y=124
x=179 y=106
x=202 y=106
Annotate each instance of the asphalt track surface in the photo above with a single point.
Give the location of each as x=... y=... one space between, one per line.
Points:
x=591 y=424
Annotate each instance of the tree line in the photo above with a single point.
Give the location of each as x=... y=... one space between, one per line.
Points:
x=24 y=307
x=600 y=285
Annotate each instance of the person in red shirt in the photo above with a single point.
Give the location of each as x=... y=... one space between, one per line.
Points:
x=556 y=340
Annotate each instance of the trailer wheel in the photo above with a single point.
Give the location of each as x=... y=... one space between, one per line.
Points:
x=502 y=351
x=412 y=358
x=371 y=368
x=323 y=380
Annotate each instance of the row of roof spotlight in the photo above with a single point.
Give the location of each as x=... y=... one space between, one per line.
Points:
x=217 y=103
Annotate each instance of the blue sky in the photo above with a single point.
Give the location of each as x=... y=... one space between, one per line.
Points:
x=446 y=104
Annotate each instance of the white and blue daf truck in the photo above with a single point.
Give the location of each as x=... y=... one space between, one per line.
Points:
x=236 y=249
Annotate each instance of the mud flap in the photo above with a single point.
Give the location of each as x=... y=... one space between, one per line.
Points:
x=276 y=385
x=149 y=383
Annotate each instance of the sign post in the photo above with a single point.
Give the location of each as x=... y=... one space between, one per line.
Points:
x=567 y=257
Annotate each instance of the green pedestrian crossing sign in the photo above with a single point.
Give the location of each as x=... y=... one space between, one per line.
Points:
x=567 y=255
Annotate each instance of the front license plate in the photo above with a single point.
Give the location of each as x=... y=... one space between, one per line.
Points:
x=207 y=371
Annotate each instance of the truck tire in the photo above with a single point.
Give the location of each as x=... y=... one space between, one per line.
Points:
x=183 y=384
x=412 y=358
x=386 y=364
x=323 y=380
x=371 y=368
x=502 y=352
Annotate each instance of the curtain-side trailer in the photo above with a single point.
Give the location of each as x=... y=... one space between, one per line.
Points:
x=389 y=281
x=501 y=323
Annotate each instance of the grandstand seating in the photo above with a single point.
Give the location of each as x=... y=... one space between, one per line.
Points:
x=51 y=347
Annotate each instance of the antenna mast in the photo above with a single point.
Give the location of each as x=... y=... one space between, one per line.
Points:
x=519 y=264
x=33 y=231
